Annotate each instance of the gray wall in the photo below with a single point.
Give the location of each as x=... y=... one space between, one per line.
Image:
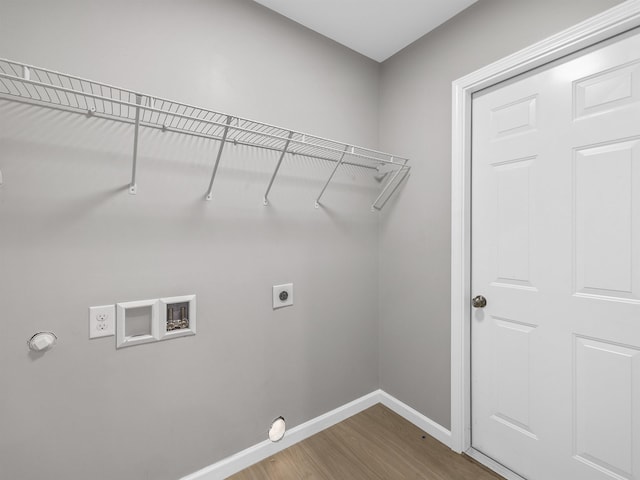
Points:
x=71 y=237
x=415 y=120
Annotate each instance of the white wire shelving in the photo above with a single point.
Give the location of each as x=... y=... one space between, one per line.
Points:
x=40 y=86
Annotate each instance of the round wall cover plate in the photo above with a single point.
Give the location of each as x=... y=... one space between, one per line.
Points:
x=278 y=427
x=42 y=341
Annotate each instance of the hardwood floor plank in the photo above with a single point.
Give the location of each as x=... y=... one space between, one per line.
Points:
x=376 y=444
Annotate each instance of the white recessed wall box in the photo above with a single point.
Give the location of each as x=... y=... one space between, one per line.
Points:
x=137 y=323
x=177 y=316
x=154 y=320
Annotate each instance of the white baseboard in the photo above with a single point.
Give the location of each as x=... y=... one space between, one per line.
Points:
x=493 y=465
x=434 y=429
x=235 y=463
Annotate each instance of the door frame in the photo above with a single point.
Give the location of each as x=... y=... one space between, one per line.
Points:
x=612 y=22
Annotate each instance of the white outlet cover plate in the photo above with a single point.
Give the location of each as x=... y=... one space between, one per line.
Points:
x=102 y=321
x=277 y=290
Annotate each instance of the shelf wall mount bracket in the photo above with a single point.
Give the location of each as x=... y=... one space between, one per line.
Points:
x=209 y=194
x=335 y=169
x=401 y=168
x=265 y=201
x=133 y=188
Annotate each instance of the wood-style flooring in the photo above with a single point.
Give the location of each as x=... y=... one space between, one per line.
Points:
x=376 y=444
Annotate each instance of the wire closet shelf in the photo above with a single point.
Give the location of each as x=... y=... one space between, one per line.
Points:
x=40 y=86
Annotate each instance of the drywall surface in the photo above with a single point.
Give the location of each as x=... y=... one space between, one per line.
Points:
x=415 y=120
x=72 y=237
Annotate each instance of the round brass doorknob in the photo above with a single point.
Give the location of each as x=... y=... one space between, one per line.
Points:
x=479 y=301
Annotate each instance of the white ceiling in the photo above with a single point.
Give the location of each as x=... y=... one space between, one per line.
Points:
x=375 y=28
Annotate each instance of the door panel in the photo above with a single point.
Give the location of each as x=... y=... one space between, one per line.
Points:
x=606 y=218
x=512 y=357
x=555 y=250
x=607 y=91
x=516 y=117
x=512 y=231
x=605 y=367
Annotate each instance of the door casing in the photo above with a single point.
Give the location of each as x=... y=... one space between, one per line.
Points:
x=610 y=23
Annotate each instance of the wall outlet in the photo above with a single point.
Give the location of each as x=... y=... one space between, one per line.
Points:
x=282 y=295
x=102 y=321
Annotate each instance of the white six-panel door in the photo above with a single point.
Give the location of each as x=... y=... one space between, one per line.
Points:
x=556 y=253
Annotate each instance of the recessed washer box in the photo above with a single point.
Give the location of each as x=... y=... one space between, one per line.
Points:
x=154 y=320
x=177 y=316
x=137 y=323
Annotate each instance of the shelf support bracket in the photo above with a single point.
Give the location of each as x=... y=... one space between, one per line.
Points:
x=275 y=172
x=335 y=169
x=209 y=195
x=133 y=189
x=401 y=168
